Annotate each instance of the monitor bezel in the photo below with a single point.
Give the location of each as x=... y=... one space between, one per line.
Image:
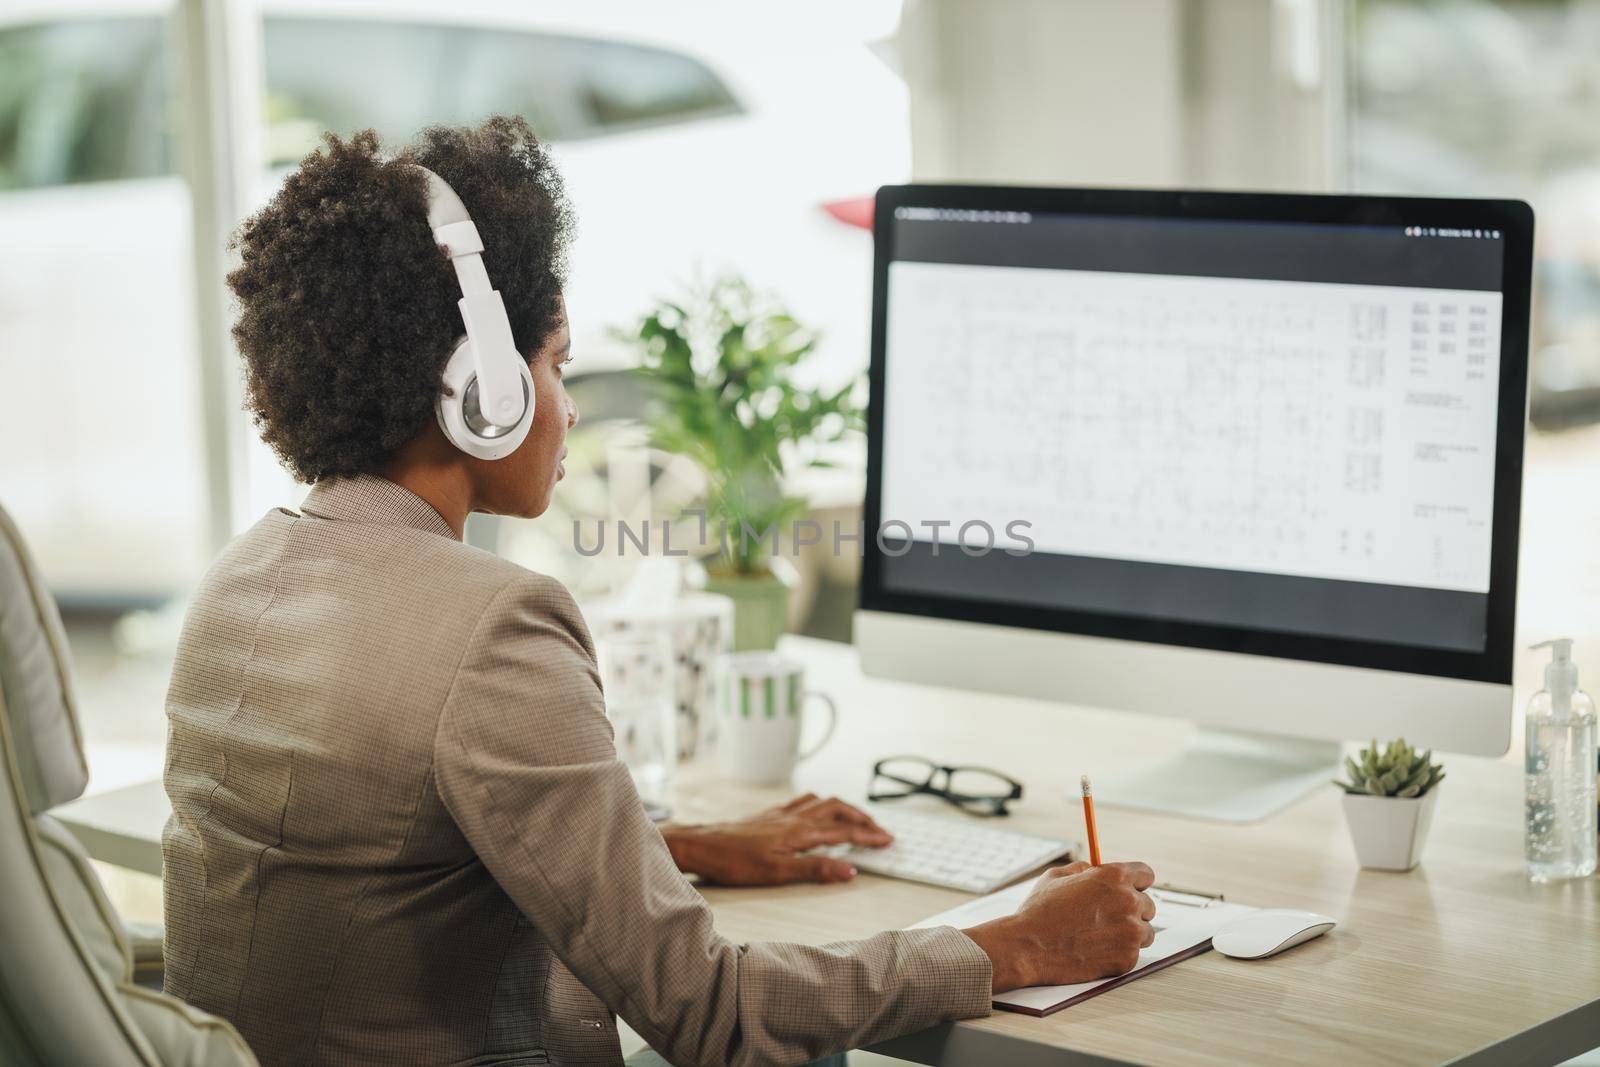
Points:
x=1513 y=218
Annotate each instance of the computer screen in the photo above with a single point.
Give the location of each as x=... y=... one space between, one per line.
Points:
x=1264 y=434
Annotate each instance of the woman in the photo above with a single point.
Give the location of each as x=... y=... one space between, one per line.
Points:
x=400 y=833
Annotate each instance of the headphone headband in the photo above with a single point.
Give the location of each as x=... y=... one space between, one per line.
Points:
x=487 y=414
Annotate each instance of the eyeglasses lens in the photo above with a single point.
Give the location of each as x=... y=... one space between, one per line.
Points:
x=897 y=777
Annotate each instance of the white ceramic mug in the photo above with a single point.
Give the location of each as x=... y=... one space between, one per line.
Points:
x=759 y=701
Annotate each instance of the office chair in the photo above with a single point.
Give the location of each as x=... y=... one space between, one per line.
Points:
x=67 y=994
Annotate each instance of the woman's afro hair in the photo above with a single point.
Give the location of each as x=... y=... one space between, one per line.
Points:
x=347 y=307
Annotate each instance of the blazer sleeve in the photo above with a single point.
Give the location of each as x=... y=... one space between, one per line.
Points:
x=525 y=764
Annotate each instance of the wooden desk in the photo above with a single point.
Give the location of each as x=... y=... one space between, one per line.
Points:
x=1461 y=961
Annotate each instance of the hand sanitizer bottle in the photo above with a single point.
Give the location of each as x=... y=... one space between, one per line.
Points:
x=1561 y=772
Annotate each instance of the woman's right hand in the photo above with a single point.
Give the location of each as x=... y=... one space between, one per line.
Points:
x=1078 y=924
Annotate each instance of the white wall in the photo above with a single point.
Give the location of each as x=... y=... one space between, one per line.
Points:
x=1264 y=95
x=1199 y=93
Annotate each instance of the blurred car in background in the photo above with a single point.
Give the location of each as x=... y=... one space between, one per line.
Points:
x=693 y=137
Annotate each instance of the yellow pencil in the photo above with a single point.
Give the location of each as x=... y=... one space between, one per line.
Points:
x=1088 y=821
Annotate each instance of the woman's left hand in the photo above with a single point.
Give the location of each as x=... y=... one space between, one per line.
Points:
x=765 y=849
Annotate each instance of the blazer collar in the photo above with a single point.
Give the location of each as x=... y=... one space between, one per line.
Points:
x=370 y=499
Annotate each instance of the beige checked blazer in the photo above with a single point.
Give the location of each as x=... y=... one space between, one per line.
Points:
x=401 y=835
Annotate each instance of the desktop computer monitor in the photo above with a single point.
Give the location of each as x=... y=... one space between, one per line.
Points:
x=1248 y=460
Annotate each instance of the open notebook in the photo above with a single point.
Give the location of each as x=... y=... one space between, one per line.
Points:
x=1184 y=924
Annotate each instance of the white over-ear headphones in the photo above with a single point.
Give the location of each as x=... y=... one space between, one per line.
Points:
x=486 y=404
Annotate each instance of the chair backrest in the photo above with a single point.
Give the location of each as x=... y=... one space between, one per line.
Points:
x=67 y=994
x=36 y=680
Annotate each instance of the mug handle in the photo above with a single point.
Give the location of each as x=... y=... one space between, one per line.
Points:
x=833 y=723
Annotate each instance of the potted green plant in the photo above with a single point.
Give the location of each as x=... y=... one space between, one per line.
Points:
x=721 y=368
x=1388 y=803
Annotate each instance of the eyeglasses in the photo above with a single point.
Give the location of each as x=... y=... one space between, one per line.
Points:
x=975 y=790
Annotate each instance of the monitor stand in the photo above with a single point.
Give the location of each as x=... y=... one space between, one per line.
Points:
x=1226 y=777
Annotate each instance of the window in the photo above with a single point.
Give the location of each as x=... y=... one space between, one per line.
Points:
x=84 y=101
x=1497 y=99
x=345 y=75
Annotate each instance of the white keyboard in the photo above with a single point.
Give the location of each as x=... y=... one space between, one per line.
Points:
x=955 y=851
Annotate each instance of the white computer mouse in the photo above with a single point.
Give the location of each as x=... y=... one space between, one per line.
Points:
x=1267 y=933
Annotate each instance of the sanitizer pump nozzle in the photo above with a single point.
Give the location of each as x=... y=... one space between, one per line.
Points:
x=1560 y=674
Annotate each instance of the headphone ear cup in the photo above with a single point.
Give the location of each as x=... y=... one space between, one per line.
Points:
x=458 y=419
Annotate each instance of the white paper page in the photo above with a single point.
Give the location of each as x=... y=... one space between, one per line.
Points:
x=996 y=905
x=1179 y=927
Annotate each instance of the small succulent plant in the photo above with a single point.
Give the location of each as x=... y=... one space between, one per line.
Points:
x=1396 y=771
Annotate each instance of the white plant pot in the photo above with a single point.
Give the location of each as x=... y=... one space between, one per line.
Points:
x=1389 y=832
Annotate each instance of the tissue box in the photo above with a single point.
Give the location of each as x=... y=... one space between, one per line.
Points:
x=699 y=627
